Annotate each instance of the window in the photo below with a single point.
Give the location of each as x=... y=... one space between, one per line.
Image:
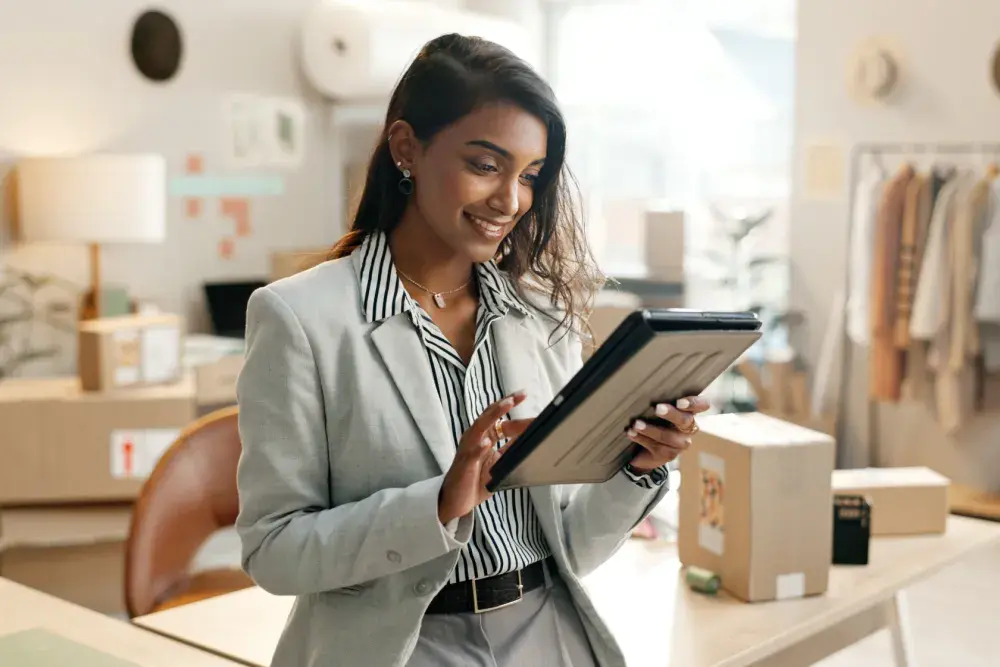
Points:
x=687 y=102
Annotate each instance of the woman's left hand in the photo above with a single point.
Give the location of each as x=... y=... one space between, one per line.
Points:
x=661 y=445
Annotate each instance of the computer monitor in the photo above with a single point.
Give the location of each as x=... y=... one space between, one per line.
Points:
x=227 y=306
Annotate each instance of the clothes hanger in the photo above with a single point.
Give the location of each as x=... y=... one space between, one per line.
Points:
x=876 y=160
x=923 y=161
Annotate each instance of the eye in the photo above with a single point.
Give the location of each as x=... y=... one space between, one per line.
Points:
x=529 y=179
x=485 y=167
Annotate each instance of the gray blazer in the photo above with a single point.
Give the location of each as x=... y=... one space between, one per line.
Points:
x=345 y=446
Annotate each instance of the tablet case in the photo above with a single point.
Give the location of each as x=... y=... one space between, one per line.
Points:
x=653 y=356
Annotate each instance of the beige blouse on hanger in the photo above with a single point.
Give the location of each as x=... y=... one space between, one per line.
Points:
x=887 y=361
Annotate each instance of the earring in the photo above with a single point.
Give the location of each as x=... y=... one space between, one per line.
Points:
x=405 y=183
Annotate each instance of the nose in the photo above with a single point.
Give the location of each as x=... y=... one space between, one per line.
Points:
x=506 y=198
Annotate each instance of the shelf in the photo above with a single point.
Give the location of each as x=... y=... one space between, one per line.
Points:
x=645 y=287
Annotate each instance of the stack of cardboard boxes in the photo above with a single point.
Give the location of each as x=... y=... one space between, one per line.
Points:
x=215 y=362
x=756 y=505
x=76 y=451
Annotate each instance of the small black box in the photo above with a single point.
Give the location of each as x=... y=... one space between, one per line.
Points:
x=852 y=528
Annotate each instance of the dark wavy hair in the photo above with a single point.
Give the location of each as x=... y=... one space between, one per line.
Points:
x=453 y=75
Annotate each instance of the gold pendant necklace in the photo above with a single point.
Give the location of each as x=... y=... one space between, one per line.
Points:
x=437 y=296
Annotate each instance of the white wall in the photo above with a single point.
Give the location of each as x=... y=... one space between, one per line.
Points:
x=67 y=84
x=945 y=48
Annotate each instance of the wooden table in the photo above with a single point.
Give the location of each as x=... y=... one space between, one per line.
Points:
x=973 y=502
x=656 y=618
x=59 y=625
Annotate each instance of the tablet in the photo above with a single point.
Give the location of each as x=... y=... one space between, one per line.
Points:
x=654 y=356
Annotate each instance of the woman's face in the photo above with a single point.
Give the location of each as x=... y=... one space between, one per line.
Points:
x=475 y=179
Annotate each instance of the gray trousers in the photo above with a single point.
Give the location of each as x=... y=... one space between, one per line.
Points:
x=542 y=630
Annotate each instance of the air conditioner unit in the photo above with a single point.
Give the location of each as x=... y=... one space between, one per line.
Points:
x=357 y=50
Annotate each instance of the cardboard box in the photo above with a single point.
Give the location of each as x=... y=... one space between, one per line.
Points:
x=606 y=317
x=824 y=423
x=756 y=506
x=287 y=263
x=61 y=444
x=905 y=501
x=131 y=351
x=216 y=362
x=664 y=245
x=215 y=381
x=74 y=553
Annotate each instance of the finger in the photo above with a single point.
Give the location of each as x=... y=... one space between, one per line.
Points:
x=482 y=428
x=665 y=436
x=495 y=456
x=514 y=427
x=484 y=423
x=679 y=418
x=693 y=404
x=511 y=428
x=657 y=448
x=472 y=451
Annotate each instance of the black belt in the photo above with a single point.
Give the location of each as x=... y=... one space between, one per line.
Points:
x=480 y=595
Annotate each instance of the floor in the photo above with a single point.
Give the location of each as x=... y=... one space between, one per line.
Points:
x=955 y=615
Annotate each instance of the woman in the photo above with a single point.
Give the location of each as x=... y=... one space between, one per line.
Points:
x=379 y=385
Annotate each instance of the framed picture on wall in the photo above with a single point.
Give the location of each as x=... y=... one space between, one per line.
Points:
x=244 y=140
x=283 y=132
x=263 y=131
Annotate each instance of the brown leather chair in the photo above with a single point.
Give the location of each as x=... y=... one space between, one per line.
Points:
x=190 y=494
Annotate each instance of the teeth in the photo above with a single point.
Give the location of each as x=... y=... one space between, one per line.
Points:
x=488 y=226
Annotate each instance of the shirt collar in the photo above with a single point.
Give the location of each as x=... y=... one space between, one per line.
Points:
x=383 y=294
x=497 y=292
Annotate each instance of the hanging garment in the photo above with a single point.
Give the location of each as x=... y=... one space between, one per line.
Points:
x=916 y=216
x=987 y=309
x=866 y=199
x=955 y=348
x=990 y=332
x=886 y=361
x=988 y=289
x=966 y=235
x=939 y=176
x=927 y=314
x=917 y=378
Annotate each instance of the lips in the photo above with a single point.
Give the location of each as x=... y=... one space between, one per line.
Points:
x=491 y=230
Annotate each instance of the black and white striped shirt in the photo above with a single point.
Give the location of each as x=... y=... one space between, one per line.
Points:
x=506 y=533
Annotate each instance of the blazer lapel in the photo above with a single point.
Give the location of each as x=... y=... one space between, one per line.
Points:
x=517 y=357
x=405 y=358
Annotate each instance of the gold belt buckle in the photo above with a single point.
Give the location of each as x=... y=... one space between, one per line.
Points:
x=475 y=597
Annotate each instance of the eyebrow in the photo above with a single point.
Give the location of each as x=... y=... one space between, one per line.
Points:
x=503 y=152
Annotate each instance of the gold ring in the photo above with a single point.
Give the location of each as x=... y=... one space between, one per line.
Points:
x=498 y=428
x=691 y=431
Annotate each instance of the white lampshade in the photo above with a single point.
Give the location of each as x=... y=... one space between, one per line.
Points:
x=93 y=199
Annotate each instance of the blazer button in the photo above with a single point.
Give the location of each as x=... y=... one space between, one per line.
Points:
x=394 y=557
x=421 y=588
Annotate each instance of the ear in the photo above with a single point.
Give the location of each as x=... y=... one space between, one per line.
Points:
x=403 y=145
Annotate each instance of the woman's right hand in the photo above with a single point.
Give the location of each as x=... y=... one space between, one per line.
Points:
x=464 y=486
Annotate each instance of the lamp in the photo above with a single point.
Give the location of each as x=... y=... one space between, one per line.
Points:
x=93 y=199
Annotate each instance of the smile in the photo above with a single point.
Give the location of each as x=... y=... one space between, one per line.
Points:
x=490 y=230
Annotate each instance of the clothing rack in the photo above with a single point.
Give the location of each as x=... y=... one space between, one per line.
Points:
x=900 y=150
